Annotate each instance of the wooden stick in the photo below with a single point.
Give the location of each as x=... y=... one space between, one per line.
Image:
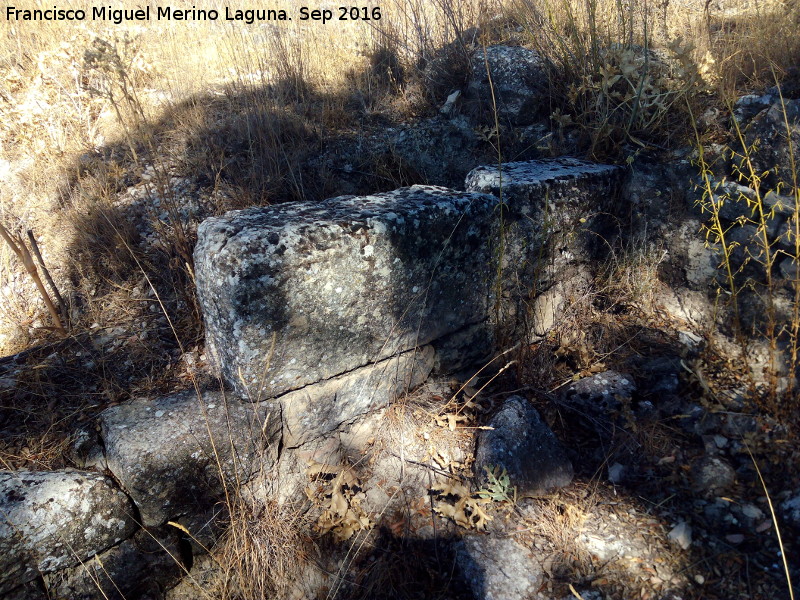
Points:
x=62 y=306
x=19 y=248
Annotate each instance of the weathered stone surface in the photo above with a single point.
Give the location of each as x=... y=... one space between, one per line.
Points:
x=520 y=80
x=788 y=269
x=538 y=187
x=318 y=409
x=205 y=576
x=600 y=399
x=768 y=132
x=563 y=203
x=524 y=445
x=86 y=451
x=749 y=105
x=738 y=201
x=31 y=590
x=548 y=307
x=656 y=185
x=712 y=475
x=54 y=520
x=441 y=149
x=144 y=566
x=438 y=149
x=603 y=391
x=498 y=568
x=695 y=260
x=791 y=510
x=299 y=293
x=733 y=199
x=660 y=374
x=295 y=294
x=555 y=215
x=599 y=394
x=464 y=348
x=168 y=452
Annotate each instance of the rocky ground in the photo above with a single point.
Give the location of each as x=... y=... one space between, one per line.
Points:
x=658 y=446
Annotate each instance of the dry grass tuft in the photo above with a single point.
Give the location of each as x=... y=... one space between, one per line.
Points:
x=263 y=551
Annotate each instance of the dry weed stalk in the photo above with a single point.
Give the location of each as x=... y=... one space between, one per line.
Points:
x=262 y=551
x=17 y=245
x=760 y=254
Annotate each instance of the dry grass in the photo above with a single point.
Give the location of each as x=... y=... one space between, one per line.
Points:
x=262 y=553
x=98 y=122
x=91 y=107
x=764 y=318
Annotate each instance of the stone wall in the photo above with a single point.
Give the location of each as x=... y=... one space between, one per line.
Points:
x=315 y=316
x=299 y=296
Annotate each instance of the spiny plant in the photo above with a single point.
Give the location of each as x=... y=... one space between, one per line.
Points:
x=614 y=87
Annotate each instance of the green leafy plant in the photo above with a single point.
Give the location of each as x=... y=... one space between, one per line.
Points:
x=498 y=486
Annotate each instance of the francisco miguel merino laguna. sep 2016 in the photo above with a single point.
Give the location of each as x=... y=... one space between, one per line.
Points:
x=167 y=13
x=161 y=13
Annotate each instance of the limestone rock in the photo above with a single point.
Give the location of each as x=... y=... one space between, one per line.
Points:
x=522 y=444
x=437 y=149
x=749 y=105
x=563 y=202
x=734 y=200
x=86 y=451
x=520 y=80
x=787 y=268
x=168 y=452
x=466 y=347
x=791 y=510
x=681 y=535
x=599 y=394
x=296 y=294
x=206 y=575
x=549 y=307
x=53 y=520
x=712 y=475
x=299 y=293
x=141 y=567
x=321 y=408
x=555 y=215
x=743 y=243
x=768 y=131
x=654 y=186
x=537 y=187
x=441 y=149
x=498 y=568
x=660 y=374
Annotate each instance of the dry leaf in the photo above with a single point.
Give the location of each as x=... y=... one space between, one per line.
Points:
x=456 y=503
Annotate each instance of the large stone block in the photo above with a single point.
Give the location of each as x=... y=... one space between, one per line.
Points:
x=556 y=214
x=498 y=568
x=140 y=567
x=298 y=293
x=175 y=454
x=518 y=86
x=551 y=195
x=318 y=409
x=54 y=520
x=522 y=444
